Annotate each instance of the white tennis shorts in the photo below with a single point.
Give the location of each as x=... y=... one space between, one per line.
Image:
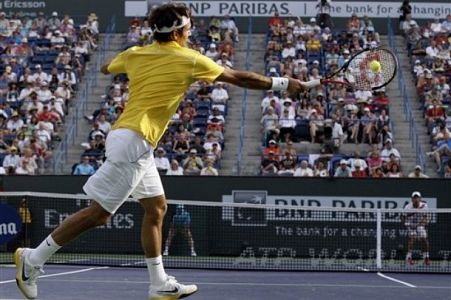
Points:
x=128 y=170
x=418 y=232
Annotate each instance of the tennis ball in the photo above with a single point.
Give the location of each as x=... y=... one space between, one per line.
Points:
x=375 y=66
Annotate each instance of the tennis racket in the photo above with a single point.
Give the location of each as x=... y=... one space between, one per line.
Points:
x=357 y=74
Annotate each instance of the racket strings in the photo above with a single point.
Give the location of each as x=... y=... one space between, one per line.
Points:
x=360 y=75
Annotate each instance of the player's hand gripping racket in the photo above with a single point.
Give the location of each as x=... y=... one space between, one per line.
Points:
x=369 y=69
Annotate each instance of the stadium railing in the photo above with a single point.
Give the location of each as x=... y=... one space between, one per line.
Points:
x=245 y=231
x=407 y=105
x=71 y=132
x=244 y=102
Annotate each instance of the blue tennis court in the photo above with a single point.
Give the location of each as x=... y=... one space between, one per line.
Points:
x=67 y=283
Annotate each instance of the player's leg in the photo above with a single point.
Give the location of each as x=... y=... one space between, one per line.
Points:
x=423 y=237
x=410 y=243
x=29 y=262
x=171 y=235
x=109 y=190
x=189 y=239
x=150 y=193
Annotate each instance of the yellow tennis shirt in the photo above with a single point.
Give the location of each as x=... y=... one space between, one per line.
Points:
x=159 y=75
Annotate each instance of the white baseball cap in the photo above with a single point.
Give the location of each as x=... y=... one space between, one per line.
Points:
x=416 y=194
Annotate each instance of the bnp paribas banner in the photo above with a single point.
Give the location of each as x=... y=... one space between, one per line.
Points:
x=374 y=9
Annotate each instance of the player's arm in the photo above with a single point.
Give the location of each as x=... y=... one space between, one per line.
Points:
x=104 y=68
x=256 y=81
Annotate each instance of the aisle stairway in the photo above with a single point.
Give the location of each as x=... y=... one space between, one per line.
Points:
x=94 y=100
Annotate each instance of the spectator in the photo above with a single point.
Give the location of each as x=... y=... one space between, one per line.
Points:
x=104 y=125
x=368 y=121
x=320 y=170
x=289 y=149
x=209 y=170
x=228 y=24
x=30 y=158
x=287 y=165
x=69 y=76
x=418 y=173
x=39 y=76
x=269 y=165
x=343 y=170
x=388 y=149
x=275 y=21
x=353 y=24
x=212 y=52
x=270 y=122
x=289 y=50
x=84 y=167
x=192 y=165
x=15 y=123
x=287 y=124
x=356 y=160
x=175 y=169
x=224 y=61
x=394 y=172
x=267 y=100
x=338 y=136
x=358 y=170
x=161 y=161
x=304 y=170
x=12 y=159
x=219 y=94
x=316 y=122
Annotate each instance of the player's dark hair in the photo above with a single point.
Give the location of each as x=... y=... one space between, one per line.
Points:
x=165 y=16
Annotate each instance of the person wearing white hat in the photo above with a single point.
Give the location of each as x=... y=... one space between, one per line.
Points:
x=417 y=173
x=416 y=227
x=389 y=149
x=39 y=75
x=161 y=161
x=212 y=52
x=54 y=22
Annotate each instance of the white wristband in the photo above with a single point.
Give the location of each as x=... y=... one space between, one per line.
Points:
x=279 y=83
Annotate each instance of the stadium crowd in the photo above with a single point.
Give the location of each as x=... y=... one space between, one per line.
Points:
x=42 y=60
x=429 y=52
x=334 y=115
x=194 y=141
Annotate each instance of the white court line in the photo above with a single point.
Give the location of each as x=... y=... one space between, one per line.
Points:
x=62 y=273
x=254 y=284
x=395 y=280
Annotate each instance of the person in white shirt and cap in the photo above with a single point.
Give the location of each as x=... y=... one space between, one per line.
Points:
x=418 y=173
x=161 y=161
x=416 y=227
x=212 y=52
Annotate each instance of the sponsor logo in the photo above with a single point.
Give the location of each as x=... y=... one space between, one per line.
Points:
x=10 y=223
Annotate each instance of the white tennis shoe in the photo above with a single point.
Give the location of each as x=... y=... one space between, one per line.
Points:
x=26 y=274
x=170 y=290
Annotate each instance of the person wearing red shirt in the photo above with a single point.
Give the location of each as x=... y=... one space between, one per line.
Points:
x=275 y=20
x=358 y=172
x=433 y=113
x=48 y=116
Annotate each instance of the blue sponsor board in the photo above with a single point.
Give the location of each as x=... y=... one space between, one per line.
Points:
x=10 y=223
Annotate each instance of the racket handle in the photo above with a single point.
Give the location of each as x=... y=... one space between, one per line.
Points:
x=311 y=84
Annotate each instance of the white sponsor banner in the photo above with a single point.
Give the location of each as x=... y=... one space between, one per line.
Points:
x=289 y=212
x=374 y=9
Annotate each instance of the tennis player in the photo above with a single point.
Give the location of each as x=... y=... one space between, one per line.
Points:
x=159 y=74
x=415 y=223
x=181 y=222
